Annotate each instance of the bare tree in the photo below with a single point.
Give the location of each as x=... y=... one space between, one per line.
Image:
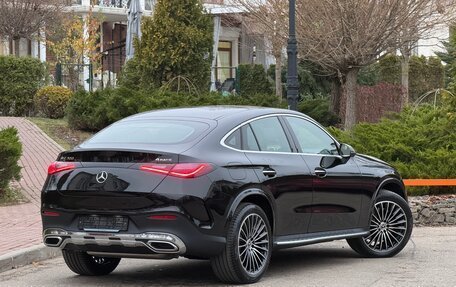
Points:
x=25 y=18
x=269 y=18
x=342 y=36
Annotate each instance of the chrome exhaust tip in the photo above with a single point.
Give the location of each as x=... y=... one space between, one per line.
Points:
x=53 y=241
x=159 y=246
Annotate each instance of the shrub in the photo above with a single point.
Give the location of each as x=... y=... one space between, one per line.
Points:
x=51 y=101
x=425 y=74
x=318 y=109
x=130 y=75
x=88 y=111
x=176 y=41
x=94 y=111
x=10 y=152
x=253 y=80
x=123 y=102
x=20 y=79
x=312 y=81
x=420 y=144
x=389 y=69
x=369 y=75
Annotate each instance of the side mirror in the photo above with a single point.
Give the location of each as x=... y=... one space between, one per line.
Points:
x=331 y=161
x=347 y=151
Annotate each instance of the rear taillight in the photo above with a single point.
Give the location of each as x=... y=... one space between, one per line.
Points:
x=51 y=213
x=59 y=166
x=182 y=170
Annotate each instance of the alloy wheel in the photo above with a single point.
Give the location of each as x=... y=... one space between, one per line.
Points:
x=388 y=226
x=253 y=244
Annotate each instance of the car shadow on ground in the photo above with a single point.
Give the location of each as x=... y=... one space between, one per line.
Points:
x=199 y=272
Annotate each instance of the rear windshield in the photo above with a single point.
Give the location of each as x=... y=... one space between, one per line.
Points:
x=150 y=132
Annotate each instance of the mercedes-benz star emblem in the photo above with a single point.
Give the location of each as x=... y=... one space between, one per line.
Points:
x=102 y=177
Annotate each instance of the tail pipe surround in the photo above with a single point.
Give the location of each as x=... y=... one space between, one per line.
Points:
x=157 y=242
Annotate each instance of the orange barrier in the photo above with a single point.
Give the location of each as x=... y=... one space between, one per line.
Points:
x=430 y=182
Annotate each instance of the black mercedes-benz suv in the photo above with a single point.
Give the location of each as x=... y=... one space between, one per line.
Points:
x=229 y=184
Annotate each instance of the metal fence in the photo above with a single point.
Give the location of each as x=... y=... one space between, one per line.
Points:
x=112 y=61
x=74 y=76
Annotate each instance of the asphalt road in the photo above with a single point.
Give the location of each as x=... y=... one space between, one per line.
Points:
x=428 y=260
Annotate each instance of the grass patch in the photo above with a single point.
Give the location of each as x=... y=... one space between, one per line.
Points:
x=61 y=132
x=11 y=196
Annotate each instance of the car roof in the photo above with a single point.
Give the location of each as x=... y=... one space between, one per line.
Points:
x=211 y=112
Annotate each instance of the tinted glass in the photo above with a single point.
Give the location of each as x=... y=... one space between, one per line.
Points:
x=250 y=142
x=234 y=140
x=270 y=135
x=311 y=138
x=150 y=132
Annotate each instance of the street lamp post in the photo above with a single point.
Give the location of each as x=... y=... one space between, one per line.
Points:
x=292 y=51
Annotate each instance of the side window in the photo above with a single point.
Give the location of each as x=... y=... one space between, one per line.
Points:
x=234 y=140
x=311 y=138
x=270 y=135
x=249 y=141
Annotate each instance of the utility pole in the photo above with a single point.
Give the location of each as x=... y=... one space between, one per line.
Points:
x=292 y=51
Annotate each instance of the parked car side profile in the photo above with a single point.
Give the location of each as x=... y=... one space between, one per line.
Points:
x=228 y=184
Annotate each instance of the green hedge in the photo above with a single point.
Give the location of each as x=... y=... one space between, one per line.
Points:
x=318 y=109
x=10 y=152
x=20 y=78
x=253 y=80
x=94 y=111
x=420 y=144
x=425 y=74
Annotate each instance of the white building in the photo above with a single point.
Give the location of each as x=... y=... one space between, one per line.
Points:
x=235 y=44
x=432 y=41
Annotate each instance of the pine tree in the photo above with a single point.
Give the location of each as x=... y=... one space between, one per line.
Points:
x=176 y=41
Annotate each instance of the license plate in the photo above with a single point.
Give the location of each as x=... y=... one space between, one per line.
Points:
x=103 y=223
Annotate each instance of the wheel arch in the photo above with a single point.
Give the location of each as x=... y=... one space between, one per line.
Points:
x=258 y=197
x=394 y=185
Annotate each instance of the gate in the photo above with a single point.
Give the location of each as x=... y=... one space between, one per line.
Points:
x=74 y=76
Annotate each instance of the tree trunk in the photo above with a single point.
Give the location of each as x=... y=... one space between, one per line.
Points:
x=17 y=43
x=278 y=75
x=405 y=68
x=350 y=99
x=335 y=96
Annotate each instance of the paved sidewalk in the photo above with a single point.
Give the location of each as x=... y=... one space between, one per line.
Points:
x=23 y=221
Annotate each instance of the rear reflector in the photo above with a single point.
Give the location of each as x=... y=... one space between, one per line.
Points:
x=50 y=213
x=163 y=217
x=182 y=170
x=59 y=166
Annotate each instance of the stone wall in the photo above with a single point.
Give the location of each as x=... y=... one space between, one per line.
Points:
x=433 y=210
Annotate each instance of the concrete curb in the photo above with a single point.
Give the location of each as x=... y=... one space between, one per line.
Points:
x=27 y=256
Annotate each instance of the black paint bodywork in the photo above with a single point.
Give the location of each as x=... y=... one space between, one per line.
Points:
x=299 y=203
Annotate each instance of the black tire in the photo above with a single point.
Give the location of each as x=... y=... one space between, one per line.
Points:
x=228 y=266
x=391 y=226
x=84 y=264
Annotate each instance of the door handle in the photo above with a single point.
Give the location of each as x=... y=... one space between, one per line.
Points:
x=269 y=172
x=320 y=172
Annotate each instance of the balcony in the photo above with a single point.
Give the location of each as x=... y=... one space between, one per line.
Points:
x=147 y=5
x=111 y=10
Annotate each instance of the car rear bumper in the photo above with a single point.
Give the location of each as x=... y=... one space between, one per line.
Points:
x=144 y=238
x=152 y=244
